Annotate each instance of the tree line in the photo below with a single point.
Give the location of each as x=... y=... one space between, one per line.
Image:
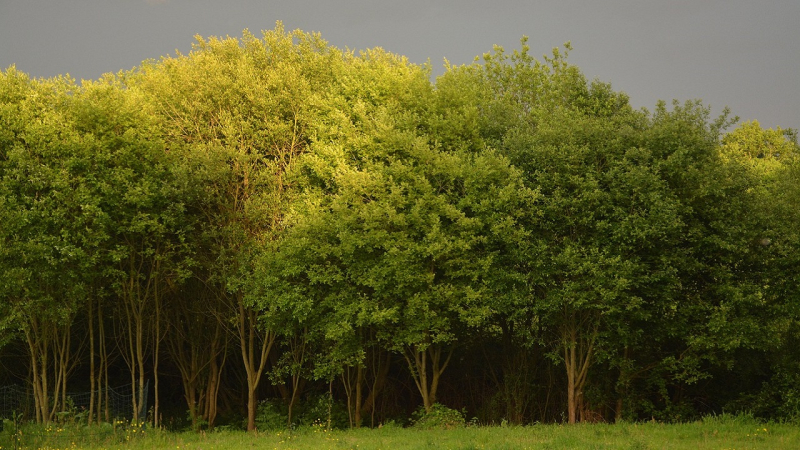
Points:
x=273 y=217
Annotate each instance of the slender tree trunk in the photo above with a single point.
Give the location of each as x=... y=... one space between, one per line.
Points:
x=49 y=351
x=92 y=369
x=622 y=386
x=418 y=364
x=43 y=377
x=138 y=289
x=131 y=359
x=255 y=348
x=187 y=366
x=578 y=355
x=354 y=380
x=102 y=404
x=61 y=369
x=359 y=383
x=141 y=360
x=347 y=382
x=569 y=362
x=156 y=350
x=38 y=360
x=214 y=382
x=378 y=382
x=297 y=346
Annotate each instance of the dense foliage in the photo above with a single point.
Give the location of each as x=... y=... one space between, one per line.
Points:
x=273 y=221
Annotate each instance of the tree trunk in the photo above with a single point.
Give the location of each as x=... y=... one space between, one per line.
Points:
x=351 y=388
x=157 y=337
x=418 y=364
x=297 y=348
x=255 y=348
x=214 y=382
x=49 y=351
x=577 y=359
x=138 y=290
x=622 y=385
x=359 y=382
x=37 y=349
x=61 y=369
x=92 y=370
x=378 y=382
x=102 y=404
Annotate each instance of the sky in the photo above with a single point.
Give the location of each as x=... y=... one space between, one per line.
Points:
x=744 y=54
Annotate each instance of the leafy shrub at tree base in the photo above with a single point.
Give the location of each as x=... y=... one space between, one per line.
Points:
x=273 y=414
x=778 y=399
x=439 y=417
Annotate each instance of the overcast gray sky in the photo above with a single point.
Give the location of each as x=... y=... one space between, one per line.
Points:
x=741 y=53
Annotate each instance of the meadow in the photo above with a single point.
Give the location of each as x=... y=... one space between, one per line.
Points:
x=719 y=432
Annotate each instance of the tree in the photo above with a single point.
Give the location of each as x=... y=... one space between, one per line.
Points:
x=768 y=160
x=45 y=234
x=624 y=195
x=402 y=245
x=142 y=203
x=243 y=111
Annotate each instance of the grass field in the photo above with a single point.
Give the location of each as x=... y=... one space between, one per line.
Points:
x=713 y=433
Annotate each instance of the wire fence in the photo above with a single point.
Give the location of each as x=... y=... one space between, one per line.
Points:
x=17 y=435
x=16 y=401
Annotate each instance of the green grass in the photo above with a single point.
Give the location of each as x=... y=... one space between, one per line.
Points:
x=713 y=433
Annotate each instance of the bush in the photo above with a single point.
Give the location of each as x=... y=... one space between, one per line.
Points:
x=315 y=411
x=273 y=414
x=778 y=399
x=439 y=417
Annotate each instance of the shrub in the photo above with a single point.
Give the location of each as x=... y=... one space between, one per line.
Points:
x=273 y=414
x=439 y=417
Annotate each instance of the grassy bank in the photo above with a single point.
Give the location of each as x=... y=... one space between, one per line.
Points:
x=714 y=433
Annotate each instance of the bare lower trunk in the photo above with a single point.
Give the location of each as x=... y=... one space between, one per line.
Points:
x=578 y=354
x=156 y=350
x=139 y=399
x=378 y=382
x=61 y=345
x=214 y=382
x=359 y=383
x=427 y=384
x=350 y=386
x=135 y=357
x=255 y=347
x=92 y=372
x=355 y=383
x=622 y=385
x=102 y=404
x=49 y=352
x=297 y=348
x=187 y=366
x=37 y=349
